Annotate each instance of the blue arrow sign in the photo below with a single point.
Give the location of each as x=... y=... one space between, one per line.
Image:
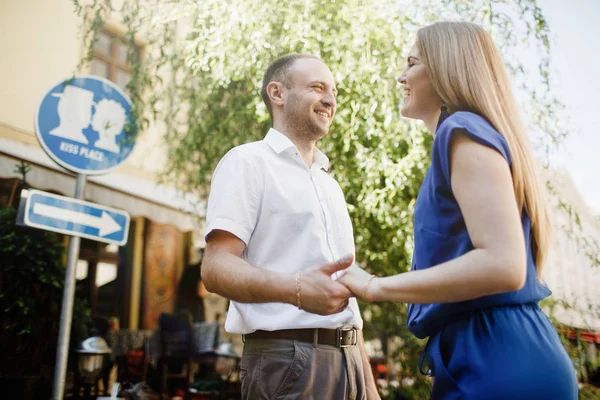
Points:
x=76 y=217
x=84 y=124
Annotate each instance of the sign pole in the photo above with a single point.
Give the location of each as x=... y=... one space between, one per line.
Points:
x=66 y=314
x=70 y=116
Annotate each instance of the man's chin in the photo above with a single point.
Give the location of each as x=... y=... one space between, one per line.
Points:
x=323 y=126
x=320 y=130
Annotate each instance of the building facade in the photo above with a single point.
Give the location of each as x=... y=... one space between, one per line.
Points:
x=41 y=45
x=573 y=270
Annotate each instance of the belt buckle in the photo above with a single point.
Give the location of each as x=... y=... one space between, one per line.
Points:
x=339 y=337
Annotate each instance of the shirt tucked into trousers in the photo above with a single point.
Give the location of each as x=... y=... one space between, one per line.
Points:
x=291 y=216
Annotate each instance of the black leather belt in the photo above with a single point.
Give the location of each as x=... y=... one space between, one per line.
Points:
x=333 y=337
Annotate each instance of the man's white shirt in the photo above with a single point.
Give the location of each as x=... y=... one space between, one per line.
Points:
x=291 y=217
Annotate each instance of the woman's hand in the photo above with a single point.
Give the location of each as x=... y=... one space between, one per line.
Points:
x=360 y=282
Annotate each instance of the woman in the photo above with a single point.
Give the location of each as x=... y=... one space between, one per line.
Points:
x=191 y=293
x=482 y=230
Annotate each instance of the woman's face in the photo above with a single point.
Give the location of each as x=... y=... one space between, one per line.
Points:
x=420 y=99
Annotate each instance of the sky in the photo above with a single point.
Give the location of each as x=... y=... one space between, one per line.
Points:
x=575 y=66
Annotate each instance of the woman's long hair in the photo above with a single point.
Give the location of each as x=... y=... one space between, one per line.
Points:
x=466 y=70
x=187 y=291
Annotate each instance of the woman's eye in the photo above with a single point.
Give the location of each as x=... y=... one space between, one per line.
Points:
x=410 y=64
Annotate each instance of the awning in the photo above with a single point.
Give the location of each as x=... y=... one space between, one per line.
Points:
x=586 y=336
x=141 y=198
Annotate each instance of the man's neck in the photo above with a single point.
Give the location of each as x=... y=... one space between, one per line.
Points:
x=305 y=146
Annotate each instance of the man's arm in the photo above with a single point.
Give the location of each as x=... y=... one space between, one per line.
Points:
x=370 y=386
x=224 y=272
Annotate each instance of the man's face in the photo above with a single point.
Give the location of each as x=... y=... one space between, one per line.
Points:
x=310 y=102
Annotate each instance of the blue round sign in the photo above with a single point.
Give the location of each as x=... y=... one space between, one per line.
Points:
x=85 y=125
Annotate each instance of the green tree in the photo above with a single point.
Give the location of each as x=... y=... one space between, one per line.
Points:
x=201 y=78
x=32 y=275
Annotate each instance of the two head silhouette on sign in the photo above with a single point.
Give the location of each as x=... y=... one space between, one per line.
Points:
x=75 y=113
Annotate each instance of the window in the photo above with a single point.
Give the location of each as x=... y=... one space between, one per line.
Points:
x=110 y=59
x=98 y=277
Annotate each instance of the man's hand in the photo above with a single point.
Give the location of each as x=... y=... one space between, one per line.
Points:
x=319 y=293
x=372 y=393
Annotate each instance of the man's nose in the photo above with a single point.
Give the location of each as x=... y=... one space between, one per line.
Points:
x=329 y=99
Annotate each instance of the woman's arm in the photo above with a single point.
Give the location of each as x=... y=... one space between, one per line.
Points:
x=482 y=185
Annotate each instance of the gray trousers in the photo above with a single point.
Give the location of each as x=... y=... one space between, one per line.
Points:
x=289 y=369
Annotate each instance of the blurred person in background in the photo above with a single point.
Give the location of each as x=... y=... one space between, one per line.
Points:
x=191 y=294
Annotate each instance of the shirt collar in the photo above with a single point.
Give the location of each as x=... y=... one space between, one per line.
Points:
x=281 y=143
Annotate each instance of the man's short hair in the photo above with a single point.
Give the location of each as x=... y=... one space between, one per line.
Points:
x=279 y=71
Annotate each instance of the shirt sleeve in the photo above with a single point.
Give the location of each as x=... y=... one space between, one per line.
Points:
x=235 y=196
x=476 y=128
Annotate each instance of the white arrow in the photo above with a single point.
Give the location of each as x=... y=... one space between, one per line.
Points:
x=106 y=224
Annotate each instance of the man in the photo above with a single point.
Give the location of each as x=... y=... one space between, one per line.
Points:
x=276 y=223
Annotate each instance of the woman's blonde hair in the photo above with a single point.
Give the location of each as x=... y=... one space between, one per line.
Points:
x=467 y=72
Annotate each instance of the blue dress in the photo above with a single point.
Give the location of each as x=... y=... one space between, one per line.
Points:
x=494 y=347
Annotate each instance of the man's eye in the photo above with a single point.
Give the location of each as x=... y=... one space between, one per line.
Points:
x=410 y=64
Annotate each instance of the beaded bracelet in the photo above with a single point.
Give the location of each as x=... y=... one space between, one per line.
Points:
x=366 y=287
x=298 y=300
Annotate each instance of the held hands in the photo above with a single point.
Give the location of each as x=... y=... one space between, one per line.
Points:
x=359 y=282
x=319 y=294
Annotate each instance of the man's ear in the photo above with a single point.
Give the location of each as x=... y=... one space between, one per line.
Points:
x=275 y=92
